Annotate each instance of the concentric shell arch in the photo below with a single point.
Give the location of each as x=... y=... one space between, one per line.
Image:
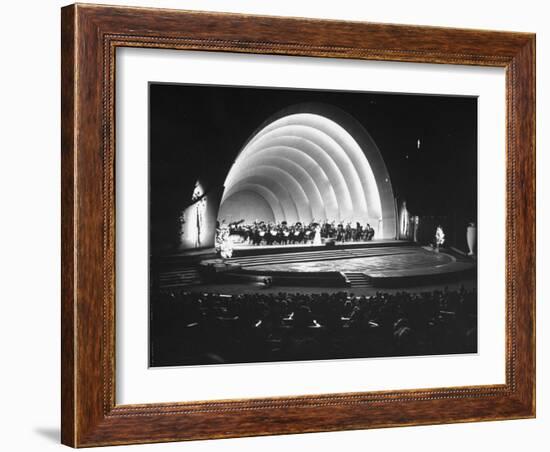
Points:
x=307 y=167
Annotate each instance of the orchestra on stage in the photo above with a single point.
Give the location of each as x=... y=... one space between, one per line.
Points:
x=283 y=233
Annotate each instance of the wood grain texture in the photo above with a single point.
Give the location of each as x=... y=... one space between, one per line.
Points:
x=68 y=297
x=90 y=36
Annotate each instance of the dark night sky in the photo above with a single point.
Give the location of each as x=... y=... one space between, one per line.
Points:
x=197 y=131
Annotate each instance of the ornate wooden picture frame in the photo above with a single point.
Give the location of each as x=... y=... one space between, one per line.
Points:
x=90 y=37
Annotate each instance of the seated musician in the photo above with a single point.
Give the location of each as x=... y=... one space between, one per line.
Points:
x=340 y=233
x=298 y=234
x=271 y=235
x=348 y=233
x=285 y=234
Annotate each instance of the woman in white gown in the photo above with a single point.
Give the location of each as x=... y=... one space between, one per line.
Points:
x=223 y=243
x=439 y=237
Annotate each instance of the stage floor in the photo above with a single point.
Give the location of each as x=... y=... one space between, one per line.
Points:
x=377 y=263
x=403 y=259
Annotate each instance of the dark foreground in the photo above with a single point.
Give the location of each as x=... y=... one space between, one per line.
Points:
x=190 y=328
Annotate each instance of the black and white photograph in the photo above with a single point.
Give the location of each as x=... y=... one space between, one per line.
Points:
x=295 y=224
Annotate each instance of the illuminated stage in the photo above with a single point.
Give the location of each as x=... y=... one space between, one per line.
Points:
x=364 y=264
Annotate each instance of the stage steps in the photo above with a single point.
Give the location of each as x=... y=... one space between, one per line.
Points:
x=357 y=280
x=180 y=277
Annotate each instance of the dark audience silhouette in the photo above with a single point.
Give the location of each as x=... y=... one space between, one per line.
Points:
x=208 y=328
